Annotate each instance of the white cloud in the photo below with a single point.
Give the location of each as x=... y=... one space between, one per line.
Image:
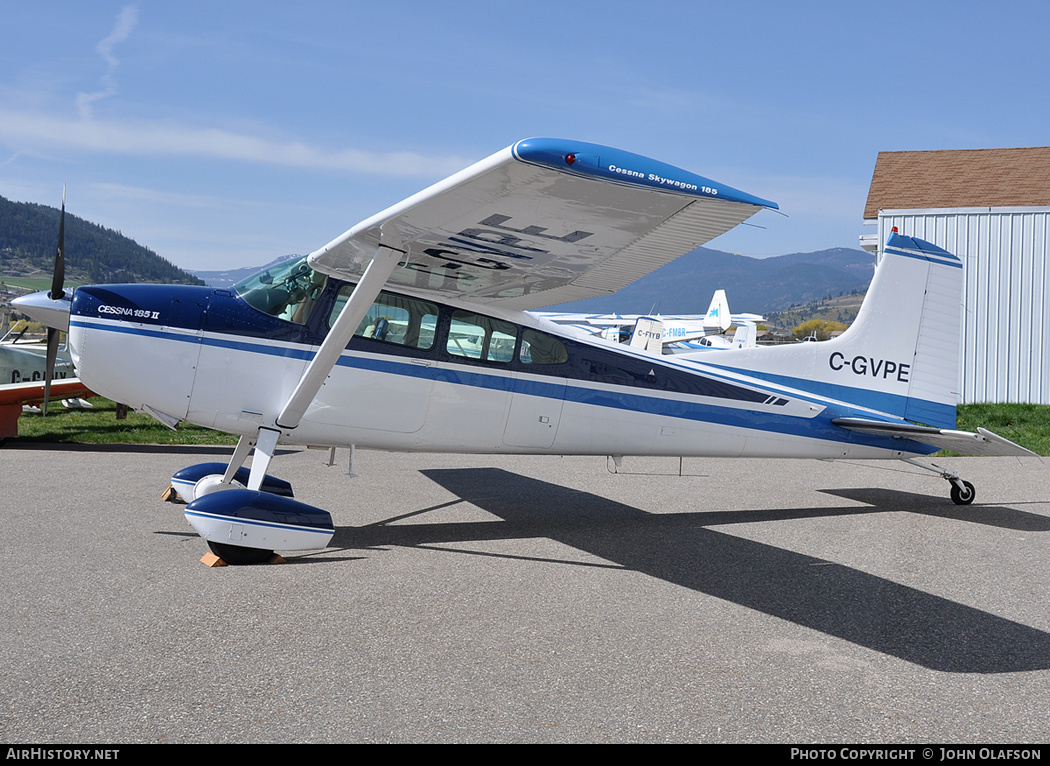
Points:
x=31 y=133
x=140 y=194
x=37 y=131
x=125 y=24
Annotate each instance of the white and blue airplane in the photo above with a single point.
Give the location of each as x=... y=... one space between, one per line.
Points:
x=746 y=336
x=677 y=332
x=411 y=331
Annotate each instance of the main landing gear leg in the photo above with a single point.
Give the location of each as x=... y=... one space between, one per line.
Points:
x=196 y=481
x=265 y=445
x=962 y=492
x=204 y=478
x=240 y=454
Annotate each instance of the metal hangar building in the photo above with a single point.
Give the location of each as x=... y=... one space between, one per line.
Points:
x=990 y=207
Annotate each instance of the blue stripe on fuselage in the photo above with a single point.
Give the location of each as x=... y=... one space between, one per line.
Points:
x=304 y=352
x=625 y=398
x=940 y=415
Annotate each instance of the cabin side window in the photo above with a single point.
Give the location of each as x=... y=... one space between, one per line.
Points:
x=395 y=319
x=480 y=337
x=540 y=348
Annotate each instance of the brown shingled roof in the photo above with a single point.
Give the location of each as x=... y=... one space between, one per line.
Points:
x=962 y=178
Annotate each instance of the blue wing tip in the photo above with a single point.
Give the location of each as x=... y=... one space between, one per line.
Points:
x=596 y=160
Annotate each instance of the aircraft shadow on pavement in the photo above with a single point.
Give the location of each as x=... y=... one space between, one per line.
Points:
x=989 y=515
x=837 y=600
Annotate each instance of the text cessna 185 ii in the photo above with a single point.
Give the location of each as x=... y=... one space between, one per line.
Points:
x=410 y=332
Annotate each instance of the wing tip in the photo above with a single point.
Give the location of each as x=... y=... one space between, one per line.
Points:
x=609 y=164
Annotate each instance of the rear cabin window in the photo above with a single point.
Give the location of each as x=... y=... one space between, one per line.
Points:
x=395 y=319
x=540 y=348
x=480 y=337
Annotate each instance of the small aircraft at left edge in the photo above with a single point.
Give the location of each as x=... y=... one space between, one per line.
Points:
x=412 y=331
x=26 y=361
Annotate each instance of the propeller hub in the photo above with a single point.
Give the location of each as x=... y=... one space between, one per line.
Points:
x=41 y=307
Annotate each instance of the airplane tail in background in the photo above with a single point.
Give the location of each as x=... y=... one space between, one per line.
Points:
x=745 y=336
x=901 y=354
x=718 y=318
x=648 y=334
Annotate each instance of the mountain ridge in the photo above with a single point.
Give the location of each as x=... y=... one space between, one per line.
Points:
x=753 y=285
x=94 y=254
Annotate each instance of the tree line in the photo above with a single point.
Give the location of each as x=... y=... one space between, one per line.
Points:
x=95 y=254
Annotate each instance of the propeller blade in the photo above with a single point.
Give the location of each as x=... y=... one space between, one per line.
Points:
x=59 y=276
x=57 y=293
x=49 y=367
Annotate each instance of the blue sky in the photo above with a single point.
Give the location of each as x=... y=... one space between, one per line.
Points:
x=223 y=134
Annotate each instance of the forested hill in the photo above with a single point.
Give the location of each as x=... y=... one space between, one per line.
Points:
x=29 y=237
x=757 y=285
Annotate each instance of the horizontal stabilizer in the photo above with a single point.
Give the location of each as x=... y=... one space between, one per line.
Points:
x=983 y=442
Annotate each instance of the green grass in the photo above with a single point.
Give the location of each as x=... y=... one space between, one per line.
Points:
x=34 y=283
x=99 y=425
x=1026 y=424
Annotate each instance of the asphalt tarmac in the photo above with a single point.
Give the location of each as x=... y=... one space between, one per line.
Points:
x=531 y=599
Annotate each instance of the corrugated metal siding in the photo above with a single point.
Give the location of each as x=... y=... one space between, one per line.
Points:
x=1005 y=316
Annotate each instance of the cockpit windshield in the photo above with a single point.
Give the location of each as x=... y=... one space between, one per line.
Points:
x=288 y=291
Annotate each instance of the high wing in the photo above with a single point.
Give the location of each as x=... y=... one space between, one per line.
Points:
x=983 y=443
x=543 y=222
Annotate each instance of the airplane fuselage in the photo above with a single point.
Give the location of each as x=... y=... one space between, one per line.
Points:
x=447 y=377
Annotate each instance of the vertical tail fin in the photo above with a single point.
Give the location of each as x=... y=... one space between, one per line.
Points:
x=935 y=367
x=718 y=319
x=901 y=354
x=745 y=335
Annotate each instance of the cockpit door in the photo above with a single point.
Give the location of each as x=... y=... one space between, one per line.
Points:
x=535 y=412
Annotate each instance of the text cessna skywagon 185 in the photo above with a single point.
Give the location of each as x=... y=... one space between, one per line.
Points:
x=411 y=332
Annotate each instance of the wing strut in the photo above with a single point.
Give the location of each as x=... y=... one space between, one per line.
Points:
x=375 y=276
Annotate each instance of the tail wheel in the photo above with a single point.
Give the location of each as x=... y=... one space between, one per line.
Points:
x=236 y=555
x=965 y=495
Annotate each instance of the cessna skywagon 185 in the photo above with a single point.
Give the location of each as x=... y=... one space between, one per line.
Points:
x=410 y=332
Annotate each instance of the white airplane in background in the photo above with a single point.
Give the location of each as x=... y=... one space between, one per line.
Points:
x=411 y=331
x=677 y=332
x=746 y=336
x=23 y=368
x=24 y=361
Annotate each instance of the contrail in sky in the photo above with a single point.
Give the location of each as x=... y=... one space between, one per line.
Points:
x=126 y=21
